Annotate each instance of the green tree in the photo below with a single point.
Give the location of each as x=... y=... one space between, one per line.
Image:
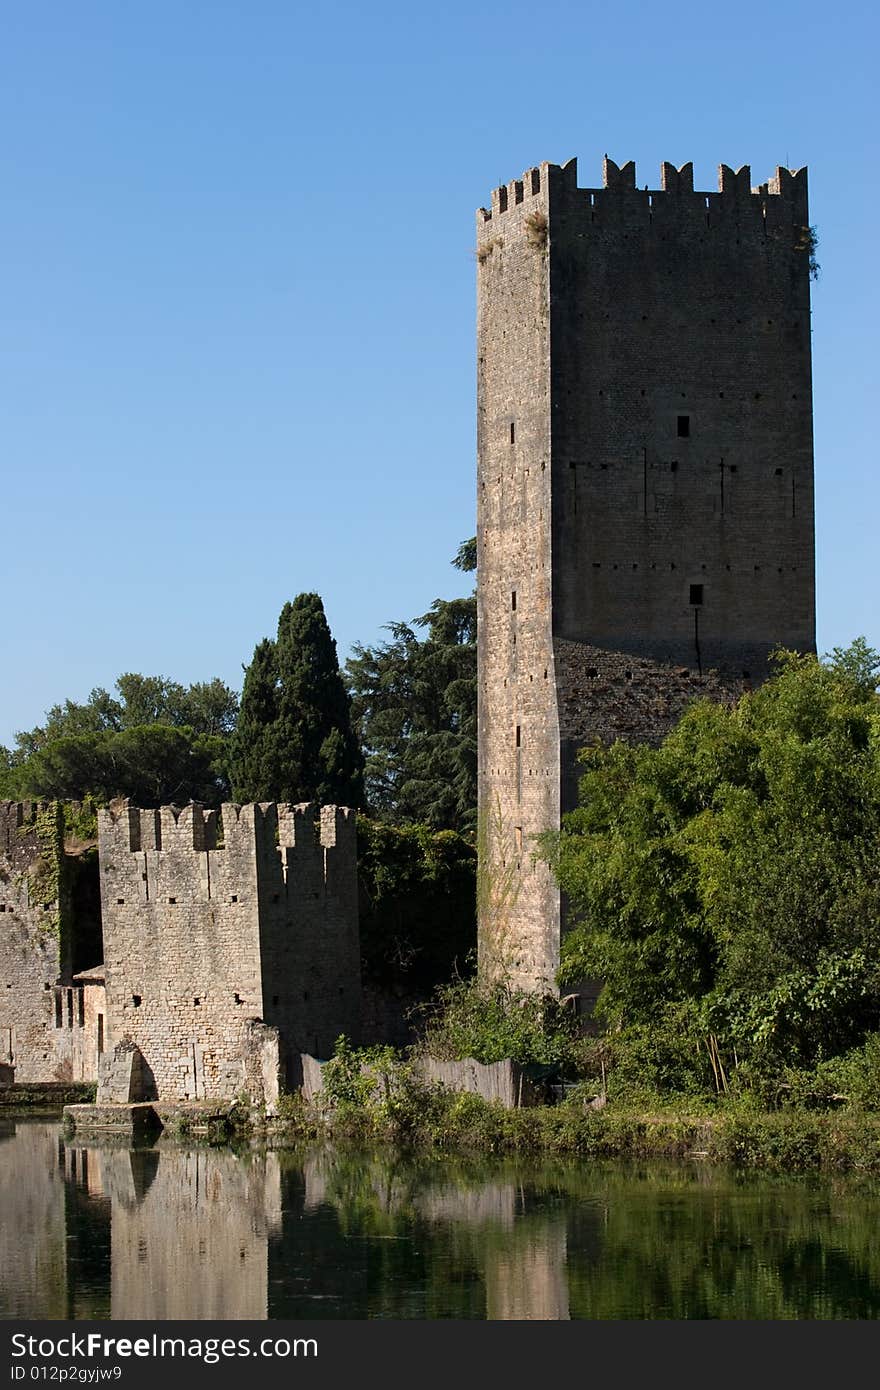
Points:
x=417 y=905
x=734 y=871
x=159 y=740
x=153 y=764
x=294 y=741
x=252 y=760
x=414 y=702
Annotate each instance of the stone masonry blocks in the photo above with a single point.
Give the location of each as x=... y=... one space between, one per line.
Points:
x=644 y=489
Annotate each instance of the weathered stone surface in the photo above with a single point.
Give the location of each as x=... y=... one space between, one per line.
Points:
x=502 y=1081
x=129 y=1121
x=34 y=937
x=231 y=943
x=224 y=958
x=645 y=488
x=123 y=1077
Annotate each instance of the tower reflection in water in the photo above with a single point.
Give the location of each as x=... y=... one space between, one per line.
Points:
x=168 y=1232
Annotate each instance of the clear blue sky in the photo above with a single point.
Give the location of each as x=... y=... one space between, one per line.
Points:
x=237 y=328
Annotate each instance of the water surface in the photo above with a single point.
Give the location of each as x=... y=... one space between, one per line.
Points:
x=100 y=1231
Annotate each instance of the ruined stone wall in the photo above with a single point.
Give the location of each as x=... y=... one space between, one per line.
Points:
x=34 y=939
x=201 y=938
x=667 y=389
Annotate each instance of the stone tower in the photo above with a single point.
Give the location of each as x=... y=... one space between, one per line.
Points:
x=645 y=487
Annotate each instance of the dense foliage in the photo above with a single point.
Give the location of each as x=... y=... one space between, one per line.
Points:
x=159 y=741
x=727 y=883
x=294 y=739
x=414 y=702
x=470 y=1018
x=417 y=904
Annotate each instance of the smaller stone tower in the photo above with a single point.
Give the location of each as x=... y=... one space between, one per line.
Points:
x=229 y=941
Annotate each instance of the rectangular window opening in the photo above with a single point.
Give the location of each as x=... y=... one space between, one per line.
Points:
x=683 y=427
x=513 y=601
x=696 y=597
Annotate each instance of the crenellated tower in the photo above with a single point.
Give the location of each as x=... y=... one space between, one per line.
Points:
x=645 y=487
x=225 y=934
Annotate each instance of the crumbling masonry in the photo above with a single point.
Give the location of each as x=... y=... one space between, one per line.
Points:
x=645 y=487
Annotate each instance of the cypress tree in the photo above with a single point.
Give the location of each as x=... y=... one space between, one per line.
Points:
x=321 y=757
x=294 y=740
x=253 y=760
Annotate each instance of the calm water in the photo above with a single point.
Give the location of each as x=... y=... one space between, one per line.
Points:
x=92 y=1231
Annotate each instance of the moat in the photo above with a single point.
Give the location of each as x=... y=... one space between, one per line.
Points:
x=173 y=1231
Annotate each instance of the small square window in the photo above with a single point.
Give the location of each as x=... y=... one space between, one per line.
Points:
x=696 y=597
x=683 y=428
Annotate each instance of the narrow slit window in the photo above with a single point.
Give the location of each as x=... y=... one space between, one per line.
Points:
x=518 y=736
x=696 y=597
x=513 y=601
x=683 y=426
x=512 y=432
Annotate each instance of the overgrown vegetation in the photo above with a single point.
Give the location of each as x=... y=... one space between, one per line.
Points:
x=727 y=886
x=375 y=1095
x=469 y=1018
x=414 y=704
x=808 y=242
x=417 y=915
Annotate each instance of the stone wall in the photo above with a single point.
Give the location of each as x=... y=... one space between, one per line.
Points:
x=211 y=924
x=645 y=485
x=34 y=940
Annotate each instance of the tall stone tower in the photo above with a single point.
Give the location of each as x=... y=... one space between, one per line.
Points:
x=645 y=487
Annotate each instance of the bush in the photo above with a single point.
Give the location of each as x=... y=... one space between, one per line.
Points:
x=492 y=1022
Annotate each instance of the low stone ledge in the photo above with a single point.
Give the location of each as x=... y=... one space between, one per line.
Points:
x=132 y=1121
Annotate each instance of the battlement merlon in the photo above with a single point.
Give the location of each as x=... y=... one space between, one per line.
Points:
x=338 y=833
x=305 y=827
x=130 y=829
x=787 y=185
